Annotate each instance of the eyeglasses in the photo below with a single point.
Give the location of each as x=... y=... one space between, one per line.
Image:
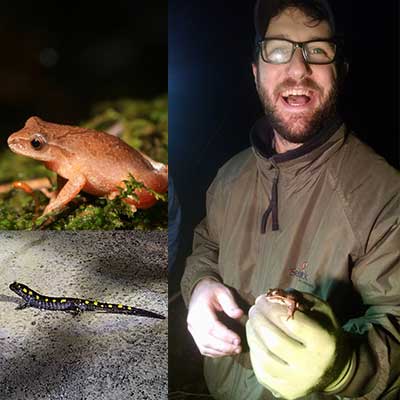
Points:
x=280 y=51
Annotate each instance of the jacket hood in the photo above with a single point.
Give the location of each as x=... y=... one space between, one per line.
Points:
x=293 y=162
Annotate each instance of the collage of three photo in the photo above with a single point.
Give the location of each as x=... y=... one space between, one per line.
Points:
x=199 y=200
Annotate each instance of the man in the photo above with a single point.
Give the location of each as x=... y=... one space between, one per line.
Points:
x=308 y=207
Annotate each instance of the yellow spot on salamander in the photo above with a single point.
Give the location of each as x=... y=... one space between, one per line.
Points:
x=95 y=303
x=30 y=293
x=102 y=305
x=46 y=299
x=54 y=300
x=25 y=290
x=87 y=301
x=109 y=305
x=63 y=300
x=120 y=306
x=37 y=297
x=129 y=308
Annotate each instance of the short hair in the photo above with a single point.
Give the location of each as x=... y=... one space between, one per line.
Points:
x=316 y=10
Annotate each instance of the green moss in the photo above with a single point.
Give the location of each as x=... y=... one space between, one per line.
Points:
x=143 y=125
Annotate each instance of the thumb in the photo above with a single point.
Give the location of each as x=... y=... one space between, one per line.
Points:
x=228 y=304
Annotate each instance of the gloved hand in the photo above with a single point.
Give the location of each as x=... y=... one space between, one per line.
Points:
x=298 y=351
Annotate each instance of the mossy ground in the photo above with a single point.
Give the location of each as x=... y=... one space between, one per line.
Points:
x=143 y=125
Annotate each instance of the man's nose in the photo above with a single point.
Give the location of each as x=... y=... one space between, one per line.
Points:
x=298 y=67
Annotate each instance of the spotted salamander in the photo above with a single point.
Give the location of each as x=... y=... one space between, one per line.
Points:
x=77 y=306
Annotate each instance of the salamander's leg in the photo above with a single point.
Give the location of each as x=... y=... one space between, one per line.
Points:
x=22 y=306
x=77 y=311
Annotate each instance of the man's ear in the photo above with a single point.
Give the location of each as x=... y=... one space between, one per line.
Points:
x=254 y=69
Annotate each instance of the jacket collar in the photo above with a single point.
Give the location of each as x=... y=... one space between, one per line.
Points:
x=261 y=138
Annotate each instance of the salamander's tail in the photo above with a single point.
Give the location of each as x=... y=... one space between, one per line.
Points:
x=130 y=310
x=145 y=313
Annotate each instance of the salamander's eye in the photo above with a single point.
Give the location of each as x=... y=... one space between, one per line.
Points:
x=38 y=141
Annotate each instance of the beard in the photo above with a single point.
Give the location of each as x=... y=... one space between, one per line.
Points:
x=302 y=126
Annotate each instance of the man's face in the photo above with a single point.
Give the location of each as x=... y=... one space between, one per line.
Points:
x=296 y=96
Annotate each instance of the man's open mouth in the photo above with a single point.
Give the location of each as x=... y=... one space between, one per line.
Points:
x=297 y=97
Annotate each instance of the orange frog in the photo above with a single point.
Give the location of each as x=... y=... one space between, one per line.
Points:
x=88 y=160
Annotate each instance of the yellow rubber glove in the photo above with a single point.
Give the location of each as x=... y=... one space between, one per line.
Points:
x=300 y=352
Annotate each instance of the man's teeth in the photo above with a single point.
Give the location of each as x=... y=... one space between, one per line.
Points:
x=296 y=92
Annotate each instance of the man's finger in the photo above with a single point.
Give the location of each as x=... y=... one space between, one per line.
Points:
x=221 y=332
x=212 y=347
x=218 y=331
x=228 y=304
x=218 y=345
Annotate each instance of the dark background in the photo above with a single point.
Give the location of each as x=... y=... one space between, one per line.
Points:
x=58 y=58
x=214 y=102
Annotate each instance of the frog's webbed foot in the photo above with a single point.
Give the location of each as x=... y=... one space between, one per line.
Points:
x=131 y=202
x=67 y=193
x=113 y=195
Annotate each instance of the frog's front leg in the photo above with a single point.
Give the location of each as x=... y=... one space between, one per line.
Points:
x=67 y=193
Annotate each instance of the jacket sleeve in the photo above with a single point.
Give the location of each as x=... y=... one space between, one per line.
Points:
x=203 y=262
x=376 y=276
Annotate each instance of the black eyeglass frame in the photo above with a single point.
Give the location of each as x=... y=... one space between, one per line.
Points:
x=300 y=45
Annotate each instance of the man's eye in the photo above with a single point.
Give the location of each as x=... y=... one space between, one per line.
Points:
x=317 y=50
x=279 y=54
x=280 y=50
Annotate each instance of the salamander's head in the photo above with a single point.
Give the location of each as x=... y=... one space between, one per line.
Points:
x=19 y=288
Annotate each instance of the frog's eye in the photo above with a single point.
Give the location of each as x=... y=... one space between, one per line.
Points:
x=38 y=142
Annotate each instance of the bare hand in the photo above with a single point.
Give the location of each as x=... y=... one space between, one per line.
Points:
x=213 y=338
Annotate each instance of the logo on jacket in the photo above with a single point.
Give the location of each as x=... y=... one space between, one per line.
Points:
x=300 y=271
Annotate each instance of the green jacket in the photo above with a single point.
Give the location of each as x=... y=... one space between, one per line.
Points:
x=324 y=219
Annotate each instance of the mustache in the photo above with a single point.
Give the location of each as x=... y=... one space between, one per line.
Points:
x=290 y=83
